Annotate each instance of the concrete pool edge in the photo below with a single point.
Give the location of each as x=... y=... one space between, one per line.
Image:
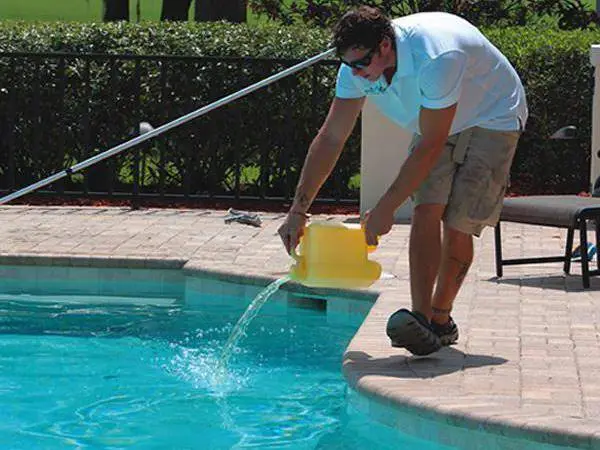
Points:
x=116 y=262
x=385 y=377
x=472 y=413
x=457 y=430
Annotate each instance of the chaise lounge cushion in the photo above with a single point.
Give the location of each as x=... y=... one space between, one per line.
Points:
x=549 y=210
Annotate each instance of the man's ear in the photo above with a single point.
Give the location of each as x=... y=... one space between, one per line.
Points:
x=386 y=45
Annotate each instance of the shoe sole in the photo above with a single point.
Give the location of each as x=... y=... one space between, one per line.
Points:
x=405 y=331
x=449 y=339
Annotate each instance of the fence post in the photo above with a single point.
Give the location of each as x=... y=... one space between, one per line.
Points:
x=137 y=152
x=595 y=156
x=11 y=128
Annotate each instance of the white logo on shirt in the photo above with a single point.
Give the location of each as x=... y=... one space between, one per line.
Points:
x=376 y=88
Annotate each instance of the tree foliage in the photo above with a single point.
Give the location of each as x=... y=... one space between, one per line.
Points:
x=570 y=14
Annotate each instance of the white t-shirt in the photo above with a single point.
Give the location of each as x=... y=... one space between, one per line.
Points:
x=441 y=60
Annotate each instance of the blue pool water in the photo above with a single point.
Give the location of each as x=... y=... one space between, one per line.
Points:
x=87 y=364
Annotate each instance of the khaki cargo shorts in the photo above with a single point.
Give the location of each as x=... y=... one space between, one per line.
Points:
x=470 y=178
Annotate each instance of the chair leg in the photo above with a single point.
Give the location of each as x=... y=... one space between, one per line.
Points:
x=498 y=245
x=569 y=251
x=597 y=223
x=585 y=267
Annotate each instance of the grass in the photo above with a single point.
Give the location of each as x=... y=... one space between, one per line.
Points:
x=77 y=10
x=63 y=10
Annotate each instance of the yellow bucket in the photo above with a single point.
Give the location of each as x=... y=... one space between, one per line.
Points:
x=334 y=255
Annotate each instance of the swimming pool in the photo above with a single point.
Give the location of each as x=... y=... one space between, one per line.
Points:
x=125 y=358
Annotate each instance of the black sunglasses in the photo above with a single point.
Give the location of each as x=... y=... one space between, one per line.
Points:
x=361 y=63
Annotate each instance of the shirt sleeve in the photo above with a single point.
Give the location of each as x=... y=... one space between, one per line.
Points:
x=440 y=80
x=345 y=86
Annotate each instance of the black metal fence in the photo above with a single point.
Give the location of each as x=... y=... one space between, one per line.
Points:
x=60 y=109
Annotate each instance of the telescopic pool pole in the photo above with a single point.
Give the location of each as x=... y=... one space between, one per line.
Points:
x=166 y=127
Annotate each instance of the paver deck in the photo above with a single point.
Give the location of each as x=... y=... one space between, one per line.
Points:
x=527 y=364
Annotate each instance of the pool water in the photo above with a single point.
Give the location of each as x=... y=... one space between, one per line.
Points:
x=84 y=370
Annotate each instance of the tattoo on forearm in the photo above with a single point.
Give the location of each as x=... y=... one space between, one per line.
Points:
x=303 y=200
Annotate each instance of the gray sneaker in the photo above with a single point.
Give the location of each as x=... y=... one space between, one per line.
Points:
x=447 y=332
x=412 y=331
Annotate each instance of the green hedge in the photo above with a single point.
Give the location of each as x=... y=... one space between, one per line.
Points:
x=170 y=38
x=559 y=83
x=553 y=64
x=269 y=129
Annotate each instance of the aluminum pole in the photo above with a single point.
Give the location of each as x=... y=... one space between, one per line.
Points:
x=166 y=127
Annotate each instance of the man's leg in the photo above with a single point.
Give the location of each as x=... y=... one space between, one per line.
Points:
x=456 y=259
x=475 y=202
x=425 y=250
x=412 y=329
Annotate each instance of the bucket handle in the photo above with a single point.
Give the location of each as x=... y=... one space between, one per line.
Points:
x=295 y=255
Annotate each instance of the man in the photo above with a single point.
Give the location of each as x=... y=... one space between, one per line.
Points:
x=436 y=75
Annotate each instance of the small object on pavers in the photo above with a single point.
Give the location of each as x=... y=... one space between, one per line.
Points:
x=245 y=217
x=576 y=255
x=412 y=331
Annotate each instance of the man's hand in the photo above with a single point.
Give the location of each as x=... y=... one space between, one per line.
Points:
x=292 y=230
x=377 y=222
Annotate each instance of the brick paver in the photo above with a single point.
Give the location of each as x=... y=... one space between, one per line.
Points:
x=527 y=364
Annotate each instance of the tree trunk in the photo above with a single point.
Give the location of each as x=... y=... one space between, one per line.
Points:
x=213 y=10
x=115 y=10
x=175 y=10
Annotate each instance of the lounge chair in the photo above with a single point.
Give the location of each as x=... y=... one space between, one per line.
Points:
x=561 y=211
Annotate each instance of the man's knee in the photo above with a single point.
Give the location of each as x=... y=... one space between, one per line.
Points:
x=460 y=244
x=456 y=235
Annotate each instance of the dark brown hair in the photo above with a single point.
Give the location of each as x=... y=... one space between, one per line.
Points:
x=363 y=27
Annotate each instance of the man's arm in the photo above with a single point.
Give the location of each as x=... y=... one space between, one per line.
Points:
x=325 y=150
x=435 y=127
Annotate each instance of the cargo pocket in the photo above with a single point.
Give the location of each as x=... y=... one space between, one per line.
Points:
x=486 y=209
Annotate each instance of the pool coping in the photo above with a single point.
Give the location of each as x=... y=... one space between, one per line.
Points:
x=390 y=402
x=382 y=393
